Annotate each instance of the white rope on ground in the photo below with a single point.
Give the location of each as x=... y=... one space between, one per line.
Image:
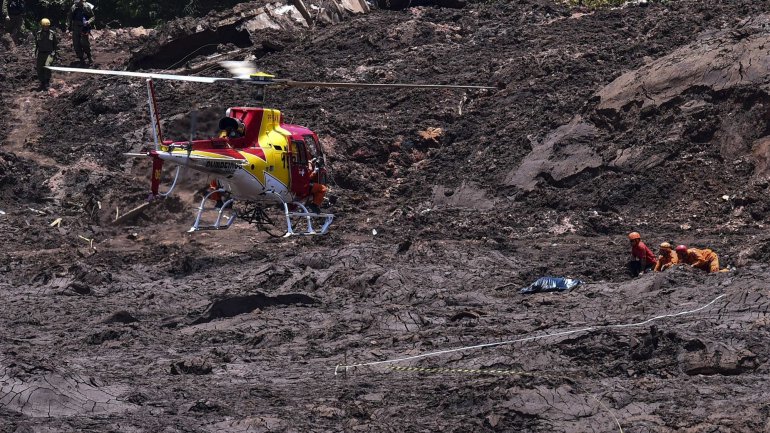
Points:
x=525 y=339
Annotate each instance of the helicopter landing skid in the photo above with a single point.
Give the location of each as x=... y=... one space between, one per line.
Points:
x=225 y=212
x=279 y=220
x=285 y=219
x=303 y=220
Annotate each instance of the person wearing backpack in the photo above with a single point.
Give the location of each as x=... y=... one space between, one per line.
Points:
x=81 y=20
x=13 y=15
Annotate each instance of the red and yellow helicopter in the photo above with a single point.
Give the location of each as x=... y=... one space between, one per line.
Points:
x=258 y=160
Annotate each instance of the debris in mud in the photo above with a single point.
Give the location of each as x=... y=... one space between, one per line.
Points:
x=205 y=406
x=196 y=366
x=80 y=288
x=103 y=336
x=551 y=284
x=233 y=306
x=717 y=358
x=466 y=315
x=121 y=317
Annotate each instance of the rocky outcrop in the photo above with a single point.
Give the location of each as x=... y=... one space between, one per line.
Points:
x=565 y=153
x=719 y=60
x=253 y=24
x=711 y=92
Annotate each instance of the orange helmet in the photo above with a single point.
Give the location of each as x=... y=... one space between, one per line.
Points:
x=634 y=235
x=681 y=248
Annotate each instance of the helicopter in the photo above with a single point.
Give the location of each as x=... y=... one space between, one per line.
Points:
x=265 y=165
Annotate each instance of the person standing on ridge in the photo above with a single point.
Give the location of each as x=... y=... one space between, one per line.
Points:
x=81 y=18
x=13 y=18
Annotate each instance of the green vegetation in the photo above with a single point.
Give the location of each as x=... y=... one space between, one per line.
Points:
x=119 y=13
x=596 y=3
x=605 y=3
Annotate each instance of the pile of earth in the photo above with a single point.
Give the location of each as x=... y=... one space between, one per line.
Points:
x=649 y=118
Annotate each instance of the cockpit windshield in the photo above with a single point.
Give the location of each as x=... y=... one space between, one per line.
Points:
x=312 y=146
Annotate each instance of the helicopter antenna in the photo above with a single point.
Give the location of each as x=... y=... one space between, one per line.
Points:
x=260 y=93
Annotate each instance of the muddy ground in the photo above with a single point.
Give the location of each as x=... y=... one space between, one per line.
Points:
x=651 y=118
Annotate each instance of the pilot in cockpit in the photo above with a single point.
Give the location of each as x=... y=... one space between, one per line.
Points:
x=231 y=128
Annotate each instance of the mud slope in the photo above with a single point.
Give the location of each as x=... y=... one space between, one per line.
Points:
x=407 y=316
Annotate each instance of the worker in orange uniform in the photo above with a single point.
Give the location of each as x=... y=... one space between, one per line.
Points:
x=216 y=195
x=642 y=258
x=318 y=190
x=666 y=257
x=704 y=259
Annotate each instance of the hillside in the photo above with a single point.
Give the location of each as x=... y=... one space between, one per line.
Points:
x=643 y=118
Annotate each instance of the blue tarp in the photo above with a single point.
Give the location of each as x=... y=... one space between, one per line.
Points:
x=551 y=284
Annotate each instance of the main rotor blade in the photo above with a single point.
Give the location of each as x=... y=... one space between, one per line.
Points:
x=239 y=68
x=292 y=83
x=266 y=79
x=246 y=70
x=192 y=78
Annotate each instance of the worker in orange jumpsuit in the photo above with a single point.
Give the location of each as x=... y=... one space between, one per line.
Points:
x=666 y=257
x=318 y=190
x=642 y=258
x=216 y=196
x=704 y=259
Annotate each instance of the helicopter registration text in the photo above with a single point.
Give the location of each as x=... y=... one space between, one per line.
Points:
x=225 y=166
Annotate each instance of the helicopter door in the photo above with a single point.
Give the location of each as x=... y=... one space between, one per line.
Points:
x=300 y=169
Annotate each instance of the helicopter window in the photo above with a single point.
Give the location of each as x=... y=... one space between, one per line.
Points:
x=312 y=146
x=300 y=152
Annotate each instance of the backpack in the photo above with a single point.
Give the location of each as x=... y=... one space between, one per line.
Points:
x=15 y=7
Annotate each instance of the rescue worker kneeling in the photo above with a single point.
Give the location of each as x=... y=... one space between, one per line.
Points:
x=666 y=258
x=214 y=185
x=642 y=259
x=318 y=190
x=704 y=259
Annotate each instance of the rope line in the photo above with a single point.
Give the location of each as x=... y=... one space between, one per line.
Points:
x=458 y=370
x=525 y=339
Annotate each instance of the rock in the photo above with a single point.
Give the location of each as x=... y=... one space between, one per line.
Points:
x=328 y=412
x=121 y=317
x=716 y=61
x=563 y=154
x=197 y=366
x=138 y=32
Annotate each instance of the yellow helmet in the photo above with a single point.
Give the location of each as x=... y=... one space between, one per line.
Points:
x=45 y=22
x=665 y=246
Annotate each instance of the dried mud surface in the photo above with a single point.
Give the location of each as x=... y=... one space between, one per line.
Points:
x=652 y=118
